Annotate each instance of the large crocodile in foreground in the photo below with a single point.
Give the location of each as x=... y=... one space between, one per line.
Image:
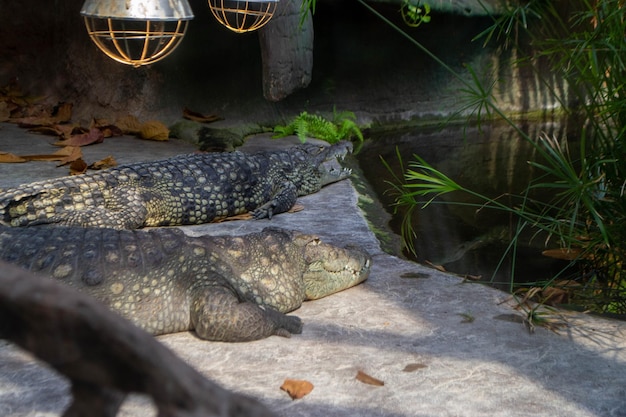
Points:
x=188 y=189
x=225 y=288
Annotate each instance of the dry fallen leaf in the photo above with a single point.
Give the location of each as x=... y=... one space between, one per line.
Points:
x=439 y=268
x=105 y=163
x=199 y=117
x=129 y=125
x=417 y=275
x=110 y=131
x=16 y=101
x=61 y=113
x=10 y=158
x=367 y=379
x=78 y=167
x=554 y=296
x=71 y=153
x=296 y=388
x=154 y=130
x=296 y=208
x=64 y=131
x=471 y=277
x=565 y=254
x=64 y=155
x=94 y=135
x=412 y=367
x=242 y=216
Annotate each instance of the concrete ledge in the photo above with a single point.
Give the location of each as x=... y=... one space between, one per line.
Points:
x=405 y=326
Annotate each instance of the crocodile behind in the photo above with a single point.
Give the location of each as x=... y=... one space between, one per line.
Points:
x=187 y=189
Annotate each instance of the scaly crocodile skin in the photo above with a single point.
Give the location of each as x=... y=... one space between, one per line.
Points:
x=188 y=189
x=227 y=288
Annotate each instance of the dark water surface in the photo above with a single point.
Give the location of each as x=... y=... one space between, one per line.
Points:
x=491 y=161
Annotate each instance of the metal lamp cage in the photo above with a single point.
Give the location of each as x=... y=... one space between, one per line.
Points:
x=135 y=42
x=243 y=15
x=136 y=32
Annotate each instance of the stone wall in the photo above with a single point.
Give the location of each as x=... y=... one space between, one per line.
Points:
x=357 y=63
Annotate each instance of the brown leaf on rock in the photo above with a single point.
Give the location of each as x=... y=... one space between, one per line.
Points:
x=10 y=158
x=64 y=131
x=64 y=155
x=471 y=277
x=129 y=125
x=94 y=135
x=367 y=379
x=52 y=130
x=296 y=388
x=95 y=122
x=439 y=268
x=78 y=167
x=242 y=216
x=154 y=130
x=71 y=153
x=105 y=163
x=199 y=117
x=111 y=131
x=108 y=129
x=12 y=94
x=63 y=112
x=296 y=208
x=34 y=121
x=415 y=275
x=412 y=367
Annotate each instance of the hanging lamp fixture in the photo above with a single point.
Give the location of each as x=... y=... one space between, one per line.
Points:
x=136 y=32
x=243 y=15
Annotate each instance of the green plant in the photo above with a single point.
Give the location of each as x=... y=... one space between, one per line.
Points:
x=342 y=127
x=307 y=6
x=585 y=45
x=537 y=314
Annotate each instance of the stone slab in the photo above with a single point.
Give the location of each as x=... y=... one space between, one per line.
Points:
x=406 y=326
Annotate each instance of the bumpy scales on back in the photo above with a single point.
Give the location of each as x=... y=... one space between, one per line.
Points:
x=188 y=189
x=226 y=288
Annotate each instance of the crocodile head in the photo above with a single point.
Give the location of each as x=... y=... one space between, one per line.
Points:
x=315 y=166
x=329 y=268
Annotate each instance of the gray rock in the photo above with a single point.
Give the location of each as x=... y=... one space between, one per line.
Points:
x=104 y=356
x=287 y=51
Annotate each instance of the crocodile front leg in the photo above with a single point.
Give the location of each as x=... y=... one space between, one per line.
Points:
x=218 y=314
x=282 y=200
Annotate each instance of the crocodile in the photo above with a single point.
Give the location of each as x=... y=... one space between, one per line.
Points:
x=186 y=189
x=224 y=288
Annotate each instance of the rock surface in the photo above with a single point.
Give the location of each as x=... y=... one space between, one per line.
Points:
x=360 y=64
x=441 y=346
x=286 y=51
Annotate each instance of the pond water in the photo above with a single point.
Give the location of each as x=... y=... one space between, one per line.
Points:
x=491 y=160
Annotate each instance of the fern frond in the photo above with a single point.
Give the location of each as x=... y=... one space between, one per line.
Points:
x=306 y=125
x=348 y=129
x=282 y=131
x=301 y=126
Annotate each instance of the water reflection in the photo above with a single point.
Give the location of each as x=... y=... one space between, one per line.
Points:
x=492 y=161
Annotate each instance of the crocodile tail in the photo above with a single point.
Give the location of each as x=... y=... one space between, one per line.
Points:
x=22 y=210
